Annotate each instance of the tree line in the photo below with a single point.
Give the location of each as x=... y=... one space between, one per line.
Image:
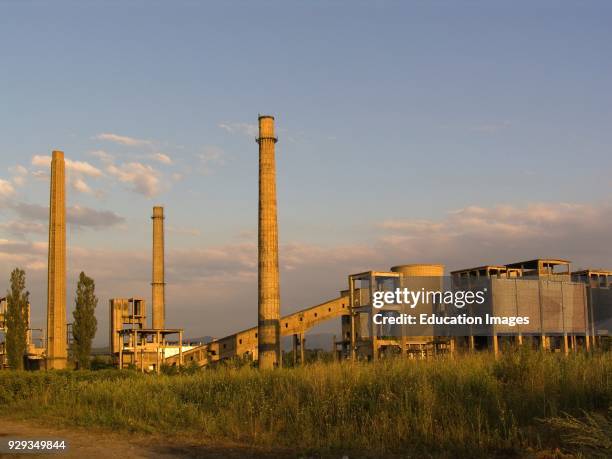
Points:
x=17 y=320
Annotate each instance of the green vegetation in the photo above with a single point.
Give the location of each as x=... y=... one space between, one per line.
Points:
x=471 y=406
x=85 y=323
x=17 y=319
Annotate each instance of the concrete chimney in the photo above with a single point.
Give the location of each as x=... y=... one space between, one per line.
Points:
x=268 y=325
x=158 y=294
x=57 y=349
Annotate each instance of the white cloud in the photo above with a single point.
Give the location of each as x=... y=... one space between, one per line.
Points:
x=6 y=189
x=250 y=130
x=142 y=177
x=83 y=167
x=78 y=184
x=19 y=175
x=123 y=140
x=40 y=175
x=18 y=170
x=102 y=155
x=505 y=233
x=29 y=255
x=162 y=158
x=80 y=167
x=21 y=227
x=86 y=217
x=41 y=160
x=79 y=216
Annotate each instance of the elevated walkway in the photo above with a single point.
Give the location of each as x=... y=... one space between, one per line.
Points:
x=244 y=343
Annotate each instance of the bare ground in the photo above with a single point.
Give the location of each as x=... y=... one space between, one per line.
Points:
x=95 y=443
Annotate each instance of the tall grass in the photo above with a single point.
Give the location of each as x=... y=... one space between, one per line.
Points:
x=471 y=405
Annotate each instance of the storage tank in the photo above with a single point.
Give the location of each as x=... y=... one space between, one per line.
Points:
x=416 y=277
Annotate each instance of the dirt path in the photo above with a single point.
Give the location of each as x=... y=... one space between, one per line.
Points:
x=93 y=443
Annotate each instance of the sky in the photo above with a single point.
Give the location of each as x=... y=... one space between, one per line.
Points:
x=454 y=132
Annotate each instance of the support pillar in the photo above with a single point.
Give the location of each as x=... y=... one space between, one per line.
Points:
x=294 y=343
x=302 y=349
x=334 y=358
x=121 y=353
x=495 y=345
x=181 y=348
x=351 y=306
x=158 y=349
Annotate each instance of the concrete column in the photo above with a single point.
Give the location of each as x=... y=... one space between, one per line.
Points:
x=352 y=305
x=334 y=356
x=495 y=345
x=157 y=351
x=302 y=349
x=57 y=349
x=181 y=348
x=121 y=355
x=158 y=295
x=268 y=324
x=295 y=349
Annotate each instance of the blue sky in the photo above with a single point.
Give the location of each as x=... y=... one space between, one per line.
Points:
x=477 y=130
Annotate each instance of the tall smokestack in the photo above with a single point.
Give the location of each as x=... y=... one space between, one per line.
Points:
x=268 y=326
x=158 y=285
x=57 y=352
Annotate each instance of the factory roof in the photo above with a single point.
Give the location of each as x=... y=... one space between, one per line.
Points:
x=478 y=268
x=531 y=264
x=606 y=272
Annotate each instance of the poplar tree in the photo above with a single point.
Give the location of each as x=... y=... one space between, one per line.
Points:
x=17 y=299
x=85 y=324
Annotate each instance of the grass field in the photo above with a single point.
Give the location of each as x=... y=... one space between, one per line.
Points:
x=470 y=406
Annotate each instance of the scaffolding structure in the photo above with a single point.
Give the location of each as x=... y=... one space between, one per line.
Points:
x=134 y=345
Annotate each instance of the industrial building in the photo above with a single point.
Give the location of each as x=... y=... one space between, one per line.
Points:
x=134 y=345
x=541 y=288
x=569 y=310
